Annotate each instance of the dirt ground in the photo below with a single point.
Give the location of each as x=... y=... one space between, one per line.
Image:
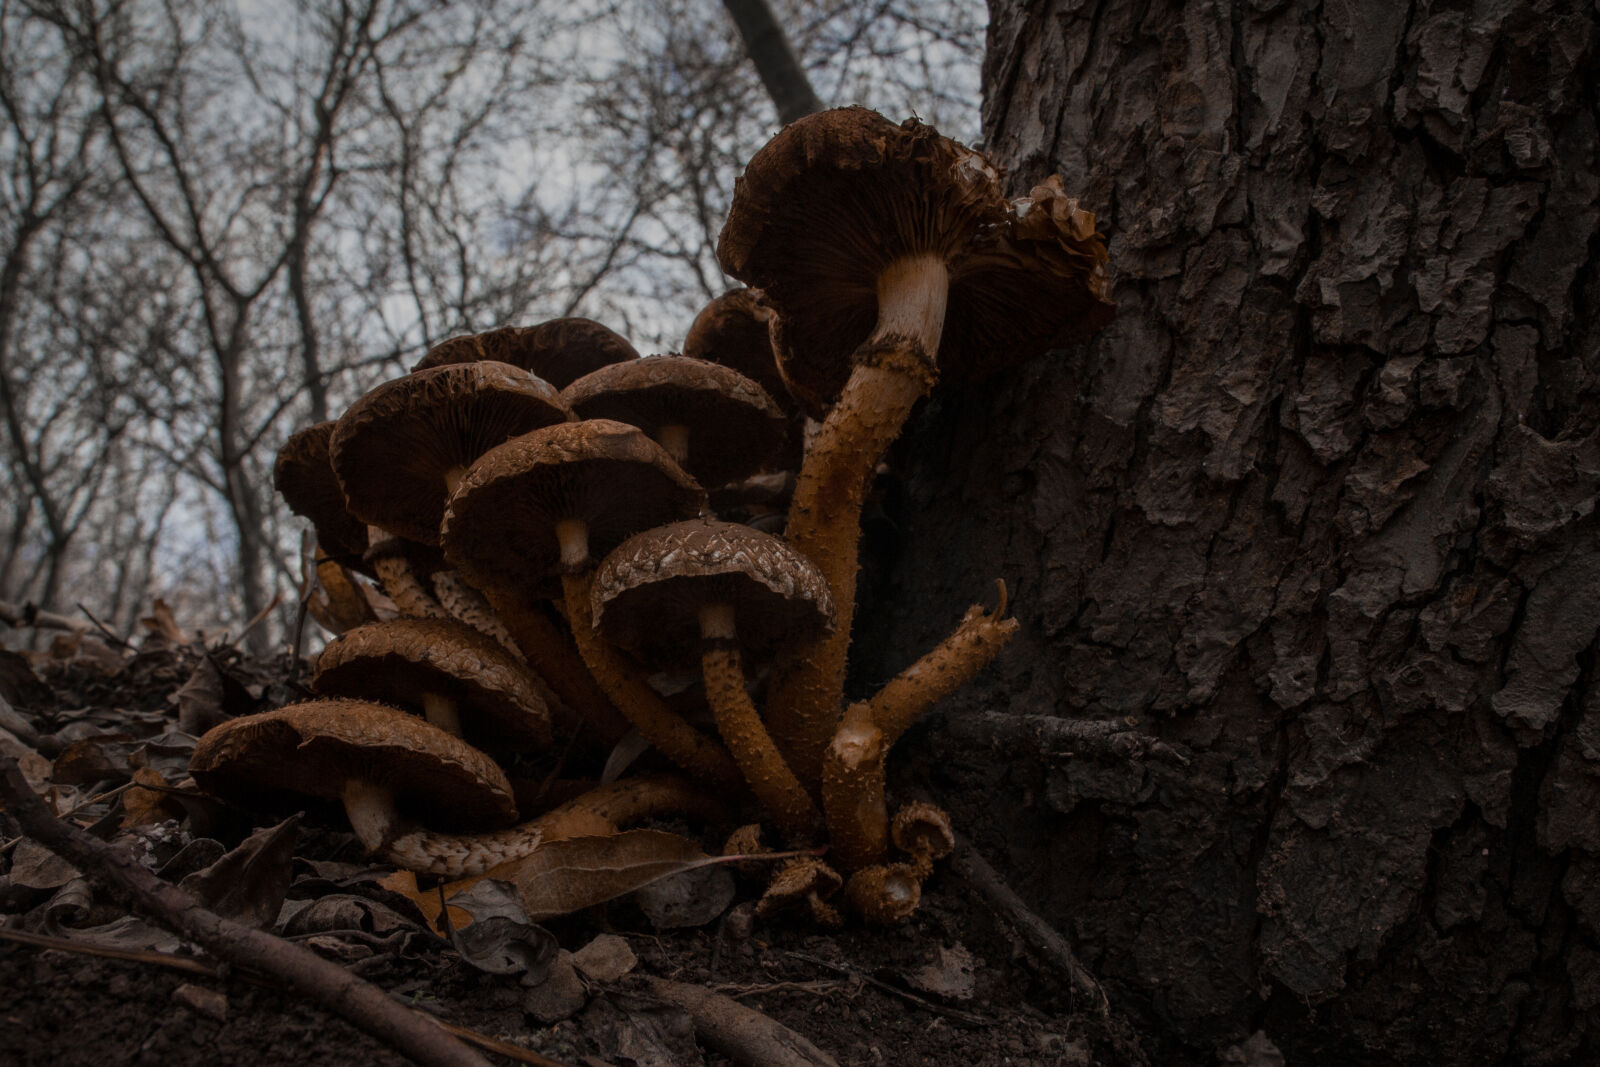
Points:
x=954 y=985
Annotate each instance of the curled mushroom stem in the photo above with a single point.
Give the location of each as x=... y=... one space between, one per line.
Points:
x=853 y=793
x=675 y=439
x=951 y=664
x=467 y=604
x=643 y=706
x=893 y=369
x=600 y=811
x=769 y=777
x=441 y=711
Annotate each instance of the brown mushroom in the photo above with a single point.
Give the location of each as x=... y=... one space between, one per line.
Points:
x=391 y=770
x=303 y=476
x=713 y=421
x=452 y=671
x=560 y=351
x=866 y=237
x=717 y=588
x=735 y=330
x=545 y=506
x=401 y=448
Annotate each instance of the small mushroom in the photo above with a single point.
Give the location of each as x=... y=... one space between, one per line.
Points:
x=303 y=476
x=717 y=588
x=451 y=670
x=923 y=832
x=886 y=893
x=735 y=330
x=713 y=421
x=388 y=768
x=803 y=886
x=401 y=449
x=560 y=351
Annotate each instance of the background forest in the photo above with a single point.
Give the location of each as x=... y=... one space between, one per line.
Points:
x=222 y=222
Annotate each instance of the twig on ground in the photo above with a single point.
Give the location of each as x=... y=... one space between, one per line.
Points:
x=1048 y=736
x=363 y=1005
x=114 y=638
x=20 y=615
x=1040 y=935
x=737 y=1031
x=200 y=967
x=965 y=1018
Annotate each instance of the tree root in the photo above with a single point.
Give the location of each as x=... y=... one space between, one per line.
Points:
x=361 y=1004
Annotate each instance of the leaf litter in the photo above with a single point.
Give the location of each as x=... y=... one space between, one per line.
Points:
x=107 y=725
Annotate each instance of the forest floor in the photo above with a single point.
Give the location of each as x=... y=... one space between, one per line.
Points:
x=957 y=984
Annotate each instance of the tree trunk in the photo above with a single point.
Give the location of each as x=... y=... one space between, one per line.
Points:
x=1318 y=507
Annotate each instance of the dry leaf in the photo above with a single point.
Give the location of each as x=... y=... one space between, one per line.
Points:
x=428 y=902
x=142 y=806
x=949 y=975
x=160 y=621
x=688 y=898
x=562 y=877
x=248 y=884
x=199 y=700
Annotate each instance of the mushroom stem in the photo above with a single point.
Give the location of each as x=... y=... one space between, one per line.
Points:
x=452 y=478
x=397 y=577
x=552 y=655
x=441 y=711
x=950 y=665
x=659 y=724
x=370 y=809
x=769 y=777
x=894 y=369
x=675 y=439
x=852 y=792
x=597 y=813
x=853 y=769
x=573 y=536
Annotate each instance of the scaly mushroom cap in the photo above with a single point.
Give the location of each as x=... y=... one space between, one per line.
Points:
x=560 y=351
x=839 y=195
x=735 y=330
x=313 y=748
x=396 y=662
x=303 y=476
x=735 y=428
x=396 y=446
x=649 y=590
x=500 y=528
x=824 y=207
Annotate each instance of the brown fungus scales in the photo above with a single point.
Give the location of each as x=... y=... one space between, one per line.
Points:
x=560 y=351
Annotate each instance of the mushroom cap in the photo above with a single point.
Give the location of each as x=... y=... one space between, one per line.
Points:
x=500 y=528
x=312 y=749
x=303 y=476
x=735 y=330
x=735 y=428
x=824 y=207
x=649 y=590
x=560 y=351
x=837 y=196
x=392 y=448
x=396 y=662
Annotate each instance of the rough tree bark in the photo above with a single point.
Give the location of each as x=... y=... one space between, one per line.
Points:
x=1319 y=507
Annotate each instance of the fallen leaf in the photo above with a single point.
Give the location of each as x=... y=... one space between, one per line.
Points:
x=502 y=945
x=248 y=884
x=199 y=700
x=688 y=898
x=948 y=975
x=160 y=621
x=142 y=806
x=36 y=867
x=562 y=877
x=605 y=959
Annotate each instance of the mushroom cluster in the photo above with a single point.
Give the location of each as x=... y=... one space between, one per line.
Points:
x=584 y=546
